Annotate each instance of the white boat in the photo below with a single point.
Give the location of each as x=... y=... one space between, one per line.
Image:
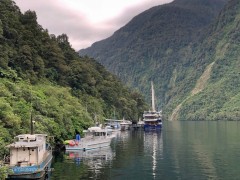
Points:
x=30 y=157
x=95 y=137
x=113 y=124
x=152 y=118
x=125 y=125
x=140 y=123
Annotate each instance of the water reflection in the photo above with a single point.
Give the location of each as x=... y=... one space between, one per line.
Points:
x=95 y=159
x=89 y=164
x=182 y=150
x=153 y=146
x=91 y=157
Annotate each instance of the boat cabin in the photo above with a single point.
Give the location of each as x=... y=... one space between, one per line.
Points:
x=151 y=116
x=98 y=131
x=27 y=150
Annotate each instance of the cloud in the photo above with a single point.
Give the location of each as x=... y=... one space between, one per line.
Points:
x=82 y=24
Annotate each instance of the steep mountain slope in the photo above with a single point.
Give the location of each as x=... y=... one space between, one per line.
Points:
x=154 y=43
x=219 y=99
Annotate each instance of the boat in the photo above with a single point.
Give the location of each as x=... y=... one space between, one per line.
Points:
x=125 y=124
x=30 y=157
x=113 y=124
x=140 y=124
x=95 y=137
x=117 y=125
x=152 y=119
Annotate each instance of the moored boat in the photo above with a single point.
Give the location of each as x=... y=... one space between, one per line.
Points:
x=152 y=118
x=95 y=137
x=114 y=124
x=125 y=125
x=30 y=157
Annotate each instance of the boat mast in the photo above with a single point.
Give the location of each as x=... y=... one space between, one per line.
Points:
x=31 y=116
x=153 y=98
x=31 y=124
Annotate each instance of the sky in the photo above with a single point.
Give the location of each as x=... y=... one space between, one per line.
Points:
x=85 y=21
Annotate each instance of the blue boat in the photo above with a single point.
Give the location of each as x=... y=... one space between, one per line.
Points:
x=30 y=157
x=152 y=119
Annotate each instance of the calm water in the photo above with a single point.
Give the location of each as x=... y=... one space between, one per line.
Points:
x=182 y=150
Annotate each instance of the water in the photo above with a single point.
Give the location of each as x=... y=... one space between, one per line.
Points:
x=182 y=150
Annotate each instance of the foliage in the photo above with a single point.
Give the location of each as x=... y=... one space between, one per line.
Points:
x=41 y=75
x=4 y=171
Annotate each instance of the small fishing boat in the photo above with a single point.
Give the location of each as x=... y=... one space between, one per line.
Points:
x=30 y=157
x=95 y=137
x=152 y=118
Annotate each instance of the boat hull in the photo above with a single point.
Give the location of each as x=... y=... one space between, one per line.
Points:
x=148 y=127
x=91 y=144
x=32 y=172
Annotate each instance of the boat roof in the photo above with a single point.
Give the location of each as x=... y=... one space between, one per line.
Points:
x=152 y=112
x=126 y=122
x=26 y=144
x=31 y=135
x=28 y=140
x=114 y=120
x=97 y=129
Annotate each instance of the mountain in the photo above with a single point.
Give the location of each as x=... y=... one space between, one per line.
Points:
x=216 y=95
x=43 y=77
x=149 y=42
x=175 y=46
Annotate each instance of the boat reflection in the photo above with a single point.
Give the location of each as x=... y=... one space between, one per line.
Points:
x=95 y=158
x=153 y=146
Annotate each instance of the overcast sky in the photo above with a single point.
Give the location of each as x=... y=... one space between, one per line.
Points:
x=86 y=21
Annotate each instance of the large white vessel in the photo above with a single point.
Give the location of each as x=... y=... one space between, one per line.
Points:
x=152 y=118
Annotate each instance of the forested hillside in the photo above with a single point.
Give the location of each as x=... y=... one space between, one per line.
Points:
x=156 y=41
x=219 y=96
x=188 y=49
x=40 y=74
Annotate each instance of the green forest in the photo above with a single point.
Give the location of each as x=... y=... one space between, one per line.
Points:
x=43 y=78
x=189 y=48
